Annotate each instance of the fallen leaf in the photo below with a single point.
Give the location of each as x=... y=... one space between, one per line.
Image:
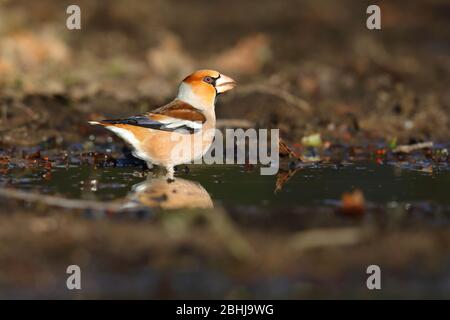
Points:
x=248 y=56
x=285 y=150
x=29 y=50
x=352 y=203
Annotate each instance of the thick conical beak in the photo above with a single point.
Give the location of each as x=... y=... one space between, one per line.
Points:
x=224 y=84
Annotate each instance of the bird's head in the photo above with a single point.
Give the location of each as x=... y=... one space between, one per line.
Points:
x=202 y=87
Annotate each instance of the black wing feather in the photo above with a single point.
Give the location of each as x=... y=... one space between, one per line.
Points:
x=145 y=122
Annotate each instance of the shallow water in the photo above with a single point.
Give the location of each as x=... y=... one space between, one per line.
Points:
x=235 y=185
x=110 y=272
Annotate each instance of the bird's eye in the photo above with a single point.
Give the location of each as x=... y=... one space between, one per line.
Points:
x=208 y=79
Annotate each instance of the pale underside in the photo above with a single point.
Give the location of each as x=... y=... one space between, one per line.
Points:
x=167 y=148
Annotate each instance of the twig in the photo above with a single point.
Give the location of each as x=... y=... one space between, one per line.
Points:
x=234 y=123
x=33 y=115
x=413 y=147
x=277 y=92
x=323 y=238
x=58 y=201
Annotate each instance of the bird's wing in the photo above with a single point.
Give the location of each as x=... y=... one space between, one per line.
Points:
x=177 y=115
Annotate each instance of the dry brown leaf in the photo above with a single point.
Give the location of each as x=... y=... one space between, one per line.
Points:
x=282 y=178
x=248 y=56
x=285 y=150
x=353 y=203
x=29 y=50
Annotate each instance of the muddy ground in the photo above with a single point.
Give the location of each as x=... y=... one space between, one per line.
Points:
x=309 y=68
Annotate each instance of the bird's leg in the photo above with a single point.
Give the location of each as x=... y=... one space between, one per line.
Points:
x=170 y=171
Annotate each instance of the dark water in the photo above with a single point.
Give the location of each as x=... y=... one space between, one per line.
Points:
x=234 y=185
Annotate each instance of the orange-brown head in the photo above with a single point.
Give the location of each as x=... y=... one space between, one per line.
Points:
x=201 y=87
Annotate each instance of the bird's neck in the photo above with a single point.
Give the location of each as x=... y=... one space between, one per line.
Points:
x=186 y=94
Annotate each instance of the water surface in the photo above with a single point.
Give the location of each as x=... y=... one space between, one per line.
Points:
x=236 y=185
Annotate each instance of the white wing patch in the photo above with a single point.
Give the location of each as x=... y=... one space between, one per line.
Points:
x=173 y=123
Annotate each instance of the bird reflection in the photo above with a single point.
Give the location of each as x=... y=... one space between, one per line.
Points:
x=179 y=193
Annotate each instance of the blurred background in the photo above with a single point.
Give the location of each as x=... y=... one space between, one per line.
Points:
x=303 y=66
x=337 y=91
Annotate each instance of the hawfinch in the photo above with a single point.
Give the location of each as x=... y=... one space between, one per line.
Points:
x=181 y=193
x=189 y=117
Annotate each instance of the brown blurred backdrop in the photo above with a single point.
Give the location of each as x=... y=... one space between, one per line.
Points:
x=318 y=58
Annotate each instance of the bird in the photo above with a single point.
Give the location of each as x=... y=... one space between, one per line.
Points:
x=155 y=192
x=153 y=136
